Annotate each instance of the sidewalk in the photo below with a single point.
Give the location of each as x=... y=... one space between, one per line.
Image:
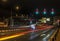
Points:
x=58 y=36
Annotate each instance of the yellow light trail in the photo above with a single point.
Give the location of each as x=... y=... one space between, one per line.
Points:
x=14 y=36
x=9 y=37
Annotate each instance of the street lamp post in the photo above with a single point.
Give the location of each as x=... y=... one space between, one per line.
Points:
x=17 y=8
x=11 y=20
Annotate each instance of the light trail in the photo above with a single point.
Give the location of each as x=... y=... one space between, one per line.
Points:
x=19 y=34
x=16 y=35
x=9 y=37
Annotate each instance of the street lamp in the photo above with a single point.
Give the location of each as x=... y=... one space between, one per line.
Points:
x=4 y=0
x=17 y=8
x=11 y=19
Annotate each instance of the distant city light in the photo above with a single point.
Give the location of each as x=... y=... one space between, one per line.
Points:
x=16 y=14
x=44 y=21
x=48 y=19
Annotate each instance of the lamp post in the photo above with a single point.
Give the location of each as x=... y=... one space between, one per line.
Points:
x=17 y=8
x=11 y=19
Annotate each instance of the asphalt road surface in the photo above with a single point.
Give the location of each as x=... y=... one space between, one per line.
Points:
x=34 y=36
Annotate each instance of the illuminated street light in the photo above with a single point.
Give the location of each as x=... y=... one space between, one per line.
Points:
x=4 y=0
x=17 y=7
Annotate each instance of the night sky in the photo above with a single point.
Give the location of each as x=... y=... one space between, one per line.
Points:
x=27 y=6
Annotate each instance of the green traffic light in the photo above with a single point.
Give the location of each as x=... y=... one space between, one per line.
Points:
x=44 y=12
x=37 y=12
x=52 y=12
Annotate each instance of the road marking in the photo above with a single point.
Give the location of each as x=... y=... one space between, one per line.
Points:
x=43 y=34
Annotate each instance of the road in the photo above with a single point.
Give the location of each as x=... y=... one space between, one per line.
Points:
x=40 y=34
x=37 y=35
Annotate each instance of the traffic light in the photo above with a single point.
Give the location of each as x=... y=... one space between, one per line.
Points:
x=52 y=11
x=37 y=11
x=44 y=11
